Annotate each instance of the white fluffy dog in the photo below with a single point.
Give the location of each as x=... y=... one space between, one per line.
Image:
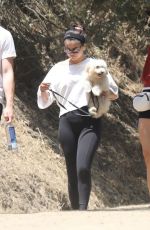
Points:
x=96 y=82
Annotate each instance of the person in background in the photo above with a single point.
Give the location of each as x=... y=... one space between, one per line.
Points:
x=144 y=119
x=79 y=134
x=7 y=55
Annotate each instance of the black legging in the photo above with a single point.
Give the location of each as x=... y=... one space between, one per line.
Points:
x=79 y=137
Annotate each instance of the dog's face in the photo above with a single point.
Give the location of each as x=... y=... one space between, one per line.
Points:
x=97 y=69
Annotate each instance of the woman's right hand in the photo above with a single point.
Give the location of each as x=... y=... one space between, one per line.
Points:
x=44 y=86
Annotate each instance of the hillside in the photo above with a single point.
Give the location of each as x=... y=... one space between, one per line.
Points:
x=34 y=178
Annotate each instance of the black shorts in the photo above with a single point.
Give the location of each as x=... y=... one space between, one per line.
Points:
x=145 y=114
x=1 y=109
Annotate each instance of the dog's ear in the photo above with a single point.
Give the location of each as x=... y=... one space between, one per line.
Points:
x=87 y=68
x=107 y=71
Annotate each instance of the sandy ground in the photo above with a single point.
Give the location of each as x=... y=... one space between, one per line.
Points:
x=122 y=218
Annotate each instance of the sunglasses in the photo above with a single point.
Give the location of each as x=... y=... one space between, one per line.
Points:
x=74 y=50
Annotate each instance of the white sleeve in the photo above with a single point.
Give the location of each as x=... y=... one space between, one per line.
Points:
x=112 y=85
x=8 y=47
x=42 y=104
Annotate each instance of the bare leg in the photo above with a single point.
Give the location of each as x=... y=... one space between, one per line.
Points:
x=144 y=134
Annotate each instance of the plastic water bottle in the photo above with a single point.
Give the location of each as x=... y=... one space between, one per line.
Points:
x=11 y=137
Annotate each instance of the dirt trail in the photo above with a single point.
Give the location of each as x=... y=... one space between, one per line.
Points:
x=122 y=218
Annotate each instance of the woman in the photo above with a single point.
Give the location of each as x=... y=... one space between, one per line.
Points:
x=79 y=134
x=144 y=120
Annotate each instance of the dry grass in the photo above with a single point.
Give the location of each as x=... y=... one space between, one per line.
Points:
x=30 y=177
x=33 y=178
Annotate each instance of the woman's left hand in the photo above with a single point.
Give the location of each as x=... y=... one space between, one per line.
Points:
x=105 y=93
x=111 y=96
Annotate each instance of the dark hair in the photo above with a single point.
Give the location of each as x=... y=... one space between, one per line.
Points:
x=76 y=32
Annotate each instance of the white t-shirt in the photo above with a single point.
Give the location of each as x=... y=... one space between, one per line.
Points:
x=7 y=49
x=65 y=79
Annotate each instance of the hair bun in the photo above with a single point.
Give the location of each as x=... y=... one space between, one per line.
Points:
x=77 y=27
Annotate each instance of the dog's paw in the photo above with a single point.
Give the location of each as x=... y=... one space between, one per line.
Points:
x=96 y=90
x=93 y=111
